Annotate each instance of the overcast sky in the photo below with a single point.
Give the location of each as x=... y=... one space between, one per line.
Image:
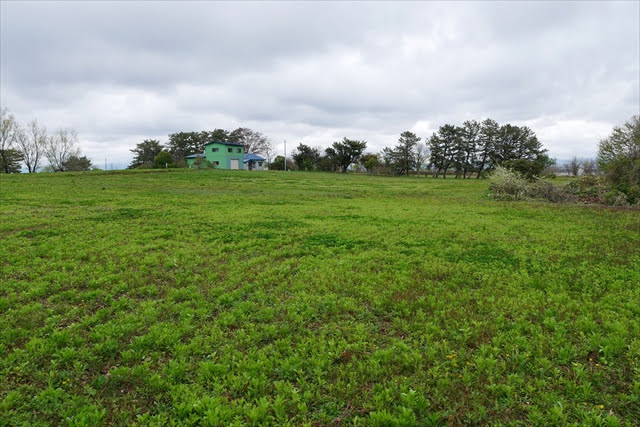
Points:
x=121 y=72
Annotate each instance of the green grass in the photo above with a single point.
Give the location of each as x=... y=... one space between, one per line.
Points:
x=234 y=298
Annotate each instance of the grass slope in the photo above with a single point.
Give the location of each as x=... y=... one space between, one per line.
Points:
x=233 y=298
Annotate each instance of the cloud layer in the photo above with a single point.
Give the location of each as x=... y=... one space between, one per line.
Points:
x=315 y=72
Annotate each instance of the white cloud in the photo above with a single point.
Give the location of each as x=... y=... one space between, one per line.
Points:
x=573 y=137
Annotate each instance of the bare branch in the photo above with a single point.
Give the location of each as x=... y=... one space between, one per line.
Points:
x=8 y=127
x=32 y=143
x=60 y=147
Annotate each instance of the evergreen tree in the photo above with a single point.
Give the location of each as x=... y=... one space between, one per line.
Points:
x=444 y=147
x=402 y=157
x=144 y=153
x=346 y=152
x=487 y=140
x=219 y=135
x=306 y=158
x=468 y=147
x=10 y=161
x=182 y=144
x=76 y=163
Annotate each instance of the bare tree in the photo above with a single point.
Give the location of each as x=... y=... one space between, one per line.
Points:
x=589 y=167
x=254 y=142
x=61 y=147
x=32 y=143
x=7 y=129
x=421 y=154
x=572 y=167
x=268 y=151
x=10 y=158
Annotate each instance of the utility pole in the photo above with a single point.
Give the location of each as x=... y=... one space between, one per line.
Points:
x=285 y=154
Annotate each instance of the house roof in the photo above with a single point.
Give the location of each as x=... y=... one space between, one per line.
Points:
x=224 y=143
x=252 y=157
x=193 y=156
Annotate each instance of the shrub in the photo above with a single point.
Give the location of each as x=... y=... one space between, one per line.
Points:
x=585 y=187
x=531 y=169
x=544 y=189
x=507 y=185
x=202 y=163
x=633 y=195
x=615 y=198
x=510 y=185
x=163 y=159
x=619 y=158
x=591 y=189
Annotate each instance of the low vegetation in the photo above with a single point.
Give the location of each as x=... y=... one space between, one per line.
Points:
x=619 y=185
x=506 y=184
x=208 y=297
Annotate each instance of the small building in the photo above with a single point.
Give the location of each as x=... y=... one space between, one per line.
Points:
x=253 y=162
x=221 y=155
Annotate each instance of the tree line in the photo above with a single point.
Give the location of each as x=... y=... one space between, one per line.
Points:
x=471 y=150
x=153 y=153
x=31 y=145
x=336 y=158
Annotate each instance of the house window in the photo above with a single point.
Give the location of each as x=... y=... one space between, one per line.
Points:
x=216 y=163
x=214 y=150
x=259 y=163
x=239 y=150
x=230 y=150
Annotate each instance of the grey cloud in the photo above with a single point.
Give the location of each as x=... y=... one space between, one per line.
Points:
x=120 y=72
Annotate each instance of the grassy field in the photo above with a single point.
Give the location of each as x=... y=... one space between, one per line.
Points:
x=238 y=298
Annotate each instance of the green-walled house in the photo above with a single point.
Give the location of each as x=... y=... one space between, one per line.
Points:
x=221 y=155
